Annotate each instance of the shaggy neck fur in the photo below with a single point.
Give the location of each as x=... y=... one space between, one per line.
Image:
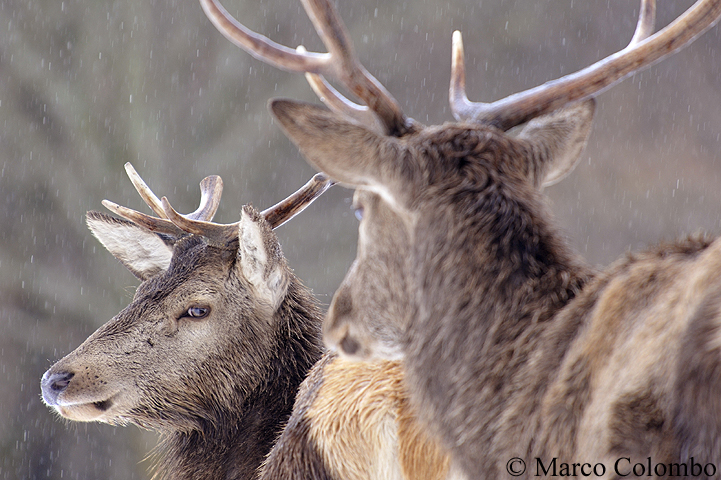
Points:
x=234 y=443
x=509 y=273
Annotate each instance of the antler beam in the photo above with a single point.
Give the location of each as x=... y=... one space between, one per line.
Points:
x=642 y=52
x=199 y=222
x=340 y=63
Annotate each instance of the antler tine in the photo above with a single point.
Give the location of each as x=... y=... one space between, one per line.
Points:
x=211 y=188
x=334 y=100
x=283 y=211
x=155 y=224
x=261 y=47
x=340 y=63
x=646 y=22
x=144 y=191
x=341 y=105
x=461 y=107
x=641 y=53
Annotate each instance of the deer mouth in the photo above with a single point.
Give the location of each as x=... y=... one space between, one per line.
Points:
x=77 y=397
x=98 y=411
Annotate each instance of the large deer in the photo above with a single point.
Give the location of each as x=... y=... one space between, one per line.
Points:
x=516 y=350
x=213 y=348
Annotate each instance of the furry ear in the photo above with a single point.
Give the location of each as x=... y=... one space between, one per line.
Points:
x=557 y=141
x=348 y=152
x=261 y=259
x=142 y=252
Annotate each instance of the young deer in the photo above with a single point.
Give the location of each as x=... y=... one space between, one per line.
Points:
x=213 y=349
x=515 y=349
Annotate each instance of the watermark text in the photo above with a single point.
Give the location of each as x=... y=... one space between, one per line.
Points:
x=621 y=467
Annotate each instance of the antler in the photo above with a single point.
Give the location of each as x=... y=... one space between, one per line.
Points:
x=341 y=105
x=211 y=189
x=340 y=63
x=199 y=222
x=283 y=211
x=643 y=50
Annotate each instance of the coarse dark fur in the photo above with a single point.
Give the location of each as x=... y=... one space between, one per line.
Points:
x=234 y=443
x=514 y=347
x=219 y=389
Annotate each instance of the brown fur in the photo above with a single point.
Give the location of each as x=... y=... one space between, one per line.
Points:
x=515 y=347
x=220 y=389
x=355 y=418
x=371 y=395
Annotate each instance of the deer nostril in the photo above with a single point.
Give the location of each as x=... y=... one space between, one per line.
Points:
x=54 y=384
x=60 y=381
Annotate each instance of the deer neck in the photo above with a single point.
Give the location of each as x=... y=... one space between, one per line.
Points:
x=234 y=443
x=491 y=272
x=491 y=275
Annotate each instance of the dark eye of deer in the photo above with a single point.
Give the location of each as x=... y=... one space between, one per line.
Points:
x=197 y=312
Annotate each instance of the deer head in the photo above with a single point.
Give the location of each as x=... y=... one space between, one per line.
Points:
x=411 y=179
x=219 y=334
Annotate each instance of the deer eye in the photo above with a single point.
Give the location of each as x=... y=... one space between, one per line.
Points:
x=358 y=211
x=197 y=312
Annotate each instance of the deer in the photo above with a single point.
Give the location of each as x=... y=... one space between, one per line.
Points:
x=218 y=342
x=522 y=358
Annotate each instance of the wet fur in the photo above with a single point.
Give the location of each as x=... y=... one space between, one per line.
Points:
x=221 y=397
x=220 y=413
x=546 y=358
x=514 y=346
x=371 y=433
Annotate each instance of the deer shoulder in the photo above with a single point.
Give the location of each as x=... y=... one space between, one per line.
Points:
x=354 y=420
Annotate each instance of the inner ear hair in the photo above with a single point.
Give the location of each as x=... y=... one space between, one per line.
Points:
x=261 y=260
x=143 y=252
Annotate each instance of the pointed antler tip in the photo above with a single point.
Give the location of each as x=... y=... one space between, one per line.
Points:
x=211 y=180
x=173 y=216
x=460 y=105
x=457 y=48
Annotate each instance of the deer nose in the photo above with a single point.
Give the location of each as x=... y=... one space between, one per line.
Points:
x=53 y=384
x=349 y=345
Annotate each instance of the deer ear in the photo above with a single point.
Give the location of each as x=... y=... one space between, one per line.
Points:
x=557 y=141
x=142 y=252
x=346 y=151
x=261 y=259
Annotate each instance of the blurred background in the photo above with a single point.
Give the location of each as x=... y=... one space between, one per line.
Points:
x=87 y=85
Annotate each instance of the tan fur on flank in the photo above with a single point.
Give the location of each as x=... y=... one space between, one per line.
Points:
x=360 y=409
